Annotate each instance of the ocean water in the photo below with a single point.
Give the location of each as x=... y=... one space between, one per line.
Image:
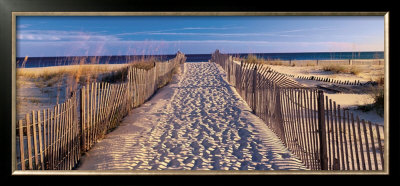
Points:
x=32 y=62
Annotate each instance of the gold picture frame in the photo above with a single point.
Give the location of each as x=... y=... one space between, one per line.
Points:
x=172 y=172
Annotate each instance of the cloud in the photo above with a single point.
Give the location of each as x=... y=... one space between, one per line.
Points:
x=55 y=35
x=283 y=33
x=211 y=28
x=168 y=31
x=20 y=26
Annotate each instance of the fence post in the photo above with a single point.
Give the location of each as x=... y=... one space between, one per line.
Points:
x=322 y=131
x=254 y=88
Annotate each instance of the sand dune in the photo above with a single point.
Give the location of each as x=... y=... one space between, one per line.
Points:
x=356 y=96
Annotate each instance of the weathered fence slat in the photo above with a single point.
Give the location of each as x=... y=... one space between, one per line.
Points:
x=34 y=123
x=361 y=144
x=28 y=133
x=380 y=145
x=366 y=145
x=40 y=141
x=373 y=145
x=350 y=141
x=355 y=142
x=21 y=144
x=322 y=131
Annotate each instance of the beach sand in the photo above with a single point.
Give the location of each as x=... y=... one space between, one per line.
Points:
x=197 y=122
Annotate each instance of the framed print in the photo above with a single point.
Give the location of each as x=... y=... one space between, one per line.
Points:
x=199 y=93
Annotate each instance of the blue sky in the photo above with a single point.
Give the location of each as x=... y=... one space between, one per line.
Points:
x=137 y=35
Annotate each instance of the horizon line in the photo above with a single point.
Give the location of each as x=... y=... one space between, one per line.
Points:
x=202 y=54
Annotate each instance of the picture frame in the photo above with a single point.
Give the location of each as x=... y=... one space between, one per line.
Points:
x=11 y=76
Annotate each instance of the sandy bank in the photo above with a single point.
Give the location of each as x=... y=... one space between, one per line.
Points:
x=352 y=98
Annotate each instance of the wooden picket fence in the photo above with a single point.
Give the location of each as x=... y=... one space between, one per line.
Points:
x=323 y=136
x=321 y=62
x=103 y=105
x=49 y=139
x=335 y=81
x=55 y=139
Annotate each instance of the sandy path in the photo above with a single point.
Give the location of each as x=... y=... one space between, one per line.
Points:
x=198 y=122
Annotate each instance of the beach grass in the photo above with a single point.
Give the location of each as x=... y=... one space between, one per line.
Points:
x=377 y=94
x=47 y=73
x=251 y=58
x=335 y=68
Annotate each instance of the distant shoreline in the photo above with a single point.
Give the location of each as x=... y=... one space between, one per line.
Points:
x=122 y=59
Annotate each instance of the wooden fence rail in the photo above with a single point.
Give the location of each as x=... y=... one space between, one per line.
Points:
x=55 y=139
x=313 y=127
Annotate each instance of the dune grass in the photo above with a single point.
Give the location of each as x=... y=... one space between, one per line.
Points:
x=354 y=70
x=377 y=94
x=144 y=63
x=47 y=73
x=251 y=58
x=335 y=68
x=84 y=72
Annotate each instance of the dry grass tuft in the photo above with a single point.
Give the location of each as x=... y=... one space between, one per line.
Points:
x=353 y=69
x=335 y=68
x=144 y=63
x=251 y=58
x=378 y=95
x=47 y=73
